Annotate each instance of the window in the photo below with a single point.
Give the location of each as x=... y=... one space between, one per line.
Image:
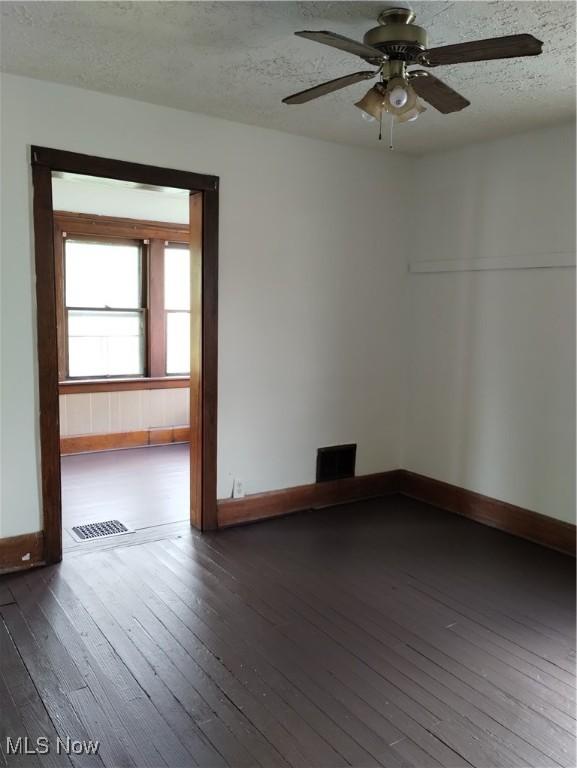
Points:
x=124 y=301
x=177 y=308
x=104 y=308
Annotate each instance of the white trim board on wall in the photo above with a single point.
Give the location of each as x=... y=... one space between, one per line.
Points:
x=525 y=261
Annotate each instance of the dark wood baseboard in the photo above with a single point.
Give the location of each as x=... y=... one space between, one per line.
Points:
x=115 y=440
x=18 y=553
x=259 y=506
x=520 y=522
x=524 y=523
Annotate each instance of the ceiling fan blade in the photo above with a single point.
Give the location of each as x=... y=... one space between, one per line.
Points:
x=366 y=52
x=436 y=92
x=483 y=50
x=328 y=87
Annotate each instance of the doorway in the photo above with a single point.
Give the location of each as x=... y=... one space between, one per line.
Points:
x=150 y=361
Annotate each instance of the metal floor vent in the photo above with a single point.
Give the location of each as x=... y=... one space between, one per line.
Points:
x=99 y=530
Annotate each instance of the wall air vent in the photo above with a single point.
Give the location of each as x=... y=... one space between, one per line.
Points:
x=336 y=462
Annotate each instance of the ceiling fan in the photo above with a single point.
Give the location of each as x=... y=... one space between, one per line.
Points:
x=397 y=44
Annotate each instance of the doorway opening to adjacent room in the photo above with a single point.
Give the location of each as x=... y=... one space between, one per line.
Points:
x=126 y=283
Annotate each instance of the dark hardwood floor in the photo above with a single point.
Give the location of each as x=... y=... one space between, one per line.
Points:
x=383 y=633
x=141 y=487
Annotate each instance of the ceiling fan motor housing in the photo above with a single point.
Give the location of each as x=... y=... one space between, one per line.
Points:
x=397 y=36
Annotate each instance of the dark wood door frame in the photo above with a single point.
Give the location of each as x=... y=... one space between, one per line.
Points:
x=203 y=191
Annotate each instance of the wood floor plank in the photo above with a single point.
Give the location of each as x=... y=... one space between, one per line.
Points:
x=63 y=665
x=344 y=664
x=293 y=621
x=17 y=691
x=377 y=661
x=94 y=482
x=384 y=633
x=397 y=578
x=528 y=700
x=513 y=682
x=12 y=727
x=387 y=699
x=507 y=677
x=348 y=710
x=112 y=747
x=53 y=694
x=357 y=743
x=538 y=639
x=35 y=721
x=442 y=711
x=190 y=743
x=288 y=692
x=308 y=722
x=244 y=716
x=256 y=701
x=5 y=594
x=39 y=725
x=304 y=590
x=103 y=668
x=68 y=652
x=116 y=747
x=235 y=747
x=476 y=751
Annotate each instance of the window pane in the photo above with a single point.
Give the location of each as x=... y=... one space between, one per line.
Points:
x=102 y=275
x=177 y=342
x=105 y=343
x=176 y=278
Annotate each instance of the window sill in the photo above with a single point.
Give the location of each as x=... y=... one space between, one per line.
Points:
x=78 y=386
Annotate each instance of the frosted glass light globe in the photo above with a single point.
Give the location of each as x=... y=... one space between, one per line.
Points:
x=398 y=97
x=367 y=117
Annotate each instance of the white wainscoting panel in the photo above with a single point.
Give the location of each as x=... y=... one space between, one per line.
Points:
x=105 y=412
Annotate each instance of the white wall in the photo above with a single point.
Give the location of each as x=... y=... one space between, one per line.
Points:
x=107 y=197
x=491 y=378
x=310 y=315
x=317 y=310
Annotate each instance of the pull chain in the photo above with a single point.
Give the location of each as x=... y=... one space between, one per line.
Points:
x=381 y=125
x=391 y=132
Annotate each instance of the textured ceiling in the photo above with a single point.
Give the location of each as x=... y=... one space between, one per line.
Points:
x=237 y=60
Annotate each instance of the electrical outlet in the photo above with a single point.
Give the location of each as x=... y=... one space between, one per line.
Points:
x=237 y=488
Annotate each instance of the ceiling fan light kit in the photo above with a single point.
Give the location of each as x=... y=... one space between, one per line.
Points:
x=373 y=101
x=411 y=115
x=397 y=44
x=399 y=96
